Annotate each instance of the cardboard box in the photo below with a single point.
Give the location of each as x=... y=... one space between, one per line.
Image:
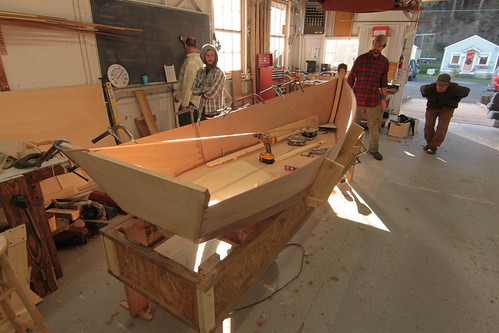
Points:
x=402 y=130
x=399 y=130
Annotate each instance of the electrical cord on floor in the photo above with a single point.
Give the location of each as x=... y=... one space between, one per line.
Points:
x=284 y=286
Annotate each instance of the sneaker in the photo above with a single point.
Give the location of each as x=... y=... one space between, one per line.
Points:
x=431 y=150
x=377 y=155
x=425 y=148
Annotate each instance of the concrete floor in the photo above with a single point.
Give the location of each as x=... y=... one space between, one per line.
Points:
x=411 y=245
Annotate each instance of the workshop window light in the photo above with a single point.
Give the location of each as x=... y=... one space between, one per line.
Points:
x=339 y=51
x=228 y=28
x=278 y=32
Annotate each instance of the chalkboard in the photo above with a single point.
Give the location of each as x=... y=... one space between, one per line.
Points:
x=158 y=44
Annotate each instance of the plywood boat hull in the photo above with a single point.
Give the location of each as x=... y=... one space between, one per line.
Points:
x=168 y=182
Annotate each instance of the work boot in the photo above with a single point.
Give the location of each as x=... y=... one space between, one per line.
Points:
x=431 y=150
x=377 y=155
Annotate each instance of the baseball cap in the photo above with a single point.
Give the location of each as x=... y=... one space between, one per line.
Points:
x=380 y=38
x=443 y=79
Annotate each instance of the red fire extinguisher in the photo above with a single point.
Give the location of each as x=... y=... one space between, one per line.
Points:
x=401 y=61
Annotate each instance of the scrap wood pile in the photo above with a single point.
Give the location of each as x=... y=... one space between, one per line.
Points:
x=73 y=220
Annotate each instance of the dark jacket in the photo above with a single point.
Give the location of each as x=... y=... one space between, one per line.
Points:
x=448 y=99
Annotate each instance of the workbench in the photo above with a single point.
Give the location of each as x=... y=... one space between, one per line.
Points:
x=42 y=253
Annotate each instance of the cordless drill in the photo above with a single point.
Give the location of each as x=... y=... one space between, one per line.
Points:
x=266 y=156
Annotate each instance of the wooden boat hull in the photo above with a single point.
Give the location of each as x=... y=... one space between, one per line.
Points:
x=163 y=181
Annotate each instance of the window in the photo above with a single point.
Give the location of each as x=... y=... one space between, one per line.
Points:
x=339 y=51
x=455 y=58
x=227 y=26
x=483 y=59
x=278 y=11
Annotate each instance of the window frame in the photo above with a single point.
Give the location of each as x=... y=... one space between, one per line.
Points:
x=285 y=28
x=324 y=54
x=243 y=36
x=480 y=56
x=455 y=54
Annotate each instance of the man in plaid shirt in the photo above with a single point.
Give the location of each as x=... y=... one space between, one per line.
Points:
x=209 y=83
x=187 y=74
x=369 y=80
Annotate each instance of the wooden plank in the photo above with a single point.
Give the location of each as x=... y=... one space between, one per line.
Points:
x=328 y=177
x=231 y=280
x=76 y=113
x=337 y=94
x=146 y=111
x=206 y=310
x=70 y=214
x=343 y=24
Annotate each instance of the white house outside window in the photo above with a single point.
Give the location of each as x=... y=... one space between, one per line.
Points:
x=228 y=27
x=455 y=58
x=483 y=59
x=278 y=16
x=339 y=51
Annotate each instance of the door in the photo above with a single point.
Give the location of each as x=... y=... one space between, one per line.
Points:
x=468 y=62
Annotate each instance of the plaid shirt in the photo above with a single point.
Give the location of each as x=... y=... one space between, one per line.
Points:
x=212 y=100
x=367 y=76
x=187 y=73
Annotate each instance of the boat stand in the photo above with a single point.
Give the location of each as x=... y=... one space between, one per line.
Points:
x=201 y=299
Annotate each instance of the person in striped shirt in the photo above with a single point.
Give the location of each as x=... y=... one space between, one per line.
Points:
x=369 y=80
x=209 y=83
x=188 y=72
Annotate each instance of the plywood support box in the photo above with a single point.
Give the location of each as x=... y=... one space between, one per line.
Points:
x=204 y=298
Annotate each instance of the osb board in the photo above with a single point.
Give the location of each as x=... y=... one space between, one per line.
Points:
x=76 y=113
x=169 y=284
x=232 y=279
x=171 y=203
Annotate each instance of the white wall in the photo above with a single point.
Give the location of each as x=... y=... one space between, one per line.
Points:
x=41 y=58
